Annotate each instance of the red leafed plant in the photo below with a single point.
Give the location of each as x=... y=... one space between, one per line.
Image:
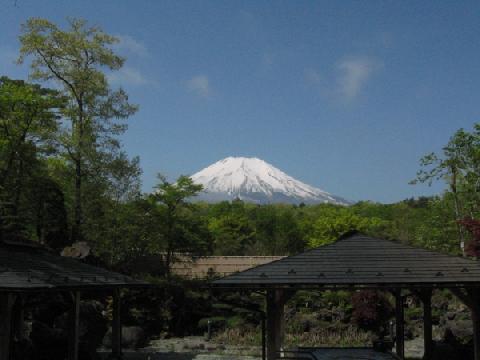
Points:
x=473 y=227
x=371 y=310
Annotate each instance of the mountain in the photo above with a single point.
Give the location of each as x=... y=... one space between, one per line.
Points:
x=254 y=180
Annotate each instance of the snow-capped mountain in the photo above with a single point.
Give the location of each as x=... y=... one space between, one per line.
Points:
x=254 y=180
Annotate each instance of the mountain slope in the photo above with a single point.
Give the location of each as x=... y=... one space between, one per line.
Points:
x=254 y=180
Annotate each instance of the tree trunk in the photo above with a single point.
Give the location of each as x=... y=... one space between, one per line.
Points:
x=77 y=222
x=78 y=215
x=453 y=188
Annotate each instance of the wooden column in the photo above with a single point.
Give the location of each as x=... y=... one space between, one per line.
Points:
x=474 y=302
x=274 y=315
x=74 y=324
x=264 y=337
x=19 y=317
x=426 y=297
x=476 y=331
x=276 y=300
x=116 y=326
x=7 y=300
x=471 y=298
x=399 y=323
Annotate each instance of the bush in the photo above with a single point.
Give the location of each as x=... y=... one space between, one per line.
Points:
x=371 y=310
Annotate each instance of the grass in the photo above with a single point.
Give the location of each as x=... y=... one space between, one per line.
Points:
x=349 y=336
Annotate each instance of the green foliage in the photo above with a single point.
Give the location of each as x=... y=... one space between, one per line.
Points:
x=232 y=234
x=459 y=167
x=334 y=222
x=182 y=231
x=76 y=59
x=31 y=204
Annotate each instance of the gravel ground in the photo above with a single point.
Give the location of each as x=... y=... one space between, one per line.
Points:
x=196 y=348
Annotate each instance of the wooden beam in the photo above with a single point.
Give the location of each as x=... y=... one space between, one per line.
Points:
x=426 y=297
x=399 y=325
x=7 y=300
x=116 y=326
x=275 y=322
x=74 y=324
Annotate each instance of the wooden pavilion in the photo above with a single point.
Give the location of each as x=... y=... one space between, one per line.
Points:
x=354 y=262
x=29 y=268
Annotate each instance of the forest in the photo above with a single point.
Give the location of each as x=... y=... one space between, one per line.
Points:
x=65 y=178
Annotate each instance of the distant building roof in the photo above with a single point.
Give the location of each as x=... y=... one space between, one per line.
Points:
x=30 y=267
x=360 y=261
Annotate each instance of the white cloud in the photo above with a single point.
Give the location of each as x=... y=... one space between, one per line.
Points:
x=199 y=85
x=354 y=74
x=131 y=45
x=128 y=76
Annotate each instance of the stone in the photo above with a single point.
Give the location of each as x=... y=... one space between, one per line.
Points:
x=133 y=337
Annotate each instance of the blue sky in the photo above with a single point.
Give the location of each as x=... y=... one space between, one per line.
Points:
x=343 y=95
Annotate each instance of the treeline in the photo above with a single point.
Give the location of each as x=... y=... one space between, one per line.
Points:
x=64 y=177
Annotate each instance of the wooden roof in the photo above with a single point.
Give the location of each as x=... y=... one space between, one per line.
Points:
x=28 y=267
x=357 y=260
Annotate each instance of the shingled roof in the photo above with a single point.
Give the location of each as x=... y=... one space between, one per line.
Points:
x=27 y=267
x=357 y=260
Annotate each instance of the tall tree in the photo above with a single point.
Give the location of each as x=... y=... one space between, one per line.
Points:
x=76 y=59
x=459 y=167
x=28 y=123
x=182 y=230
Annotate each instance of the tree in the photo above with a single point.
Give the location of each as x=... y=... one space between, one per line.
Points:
x=232 y=229
x=459 y=167
x=28 y=122
x=182 y=231
x=76 y=59
x=277 y=231
x=371 y=311
x=473 y=227
x=334 y=222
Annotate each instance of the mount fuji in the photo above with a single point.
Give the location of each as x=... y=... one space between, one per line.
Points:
x=254 y=180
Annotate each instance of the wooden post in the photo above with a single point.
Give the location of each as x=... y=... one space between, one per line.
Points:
x=426 y=297
x=74 y=323
x=399 y=331
x=264 y=339
x=116 y=326
x=7 y=301
x=275 y=322
x=471 y=298
x=474 y=295
x=19 y=317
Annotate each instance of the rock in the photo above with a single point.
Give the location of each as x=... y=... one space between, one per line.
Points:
x=133 y=337
x=93 y=326
x=78 y=250
x=450 y=315
x=461 y=330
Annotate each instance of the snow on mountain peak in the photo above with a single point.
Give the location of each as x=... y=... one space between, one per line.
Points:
x=254 y=180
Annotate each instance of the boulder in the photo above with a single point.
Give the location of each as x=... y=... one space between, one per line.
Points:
x=461 y=330
x=133 y=337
